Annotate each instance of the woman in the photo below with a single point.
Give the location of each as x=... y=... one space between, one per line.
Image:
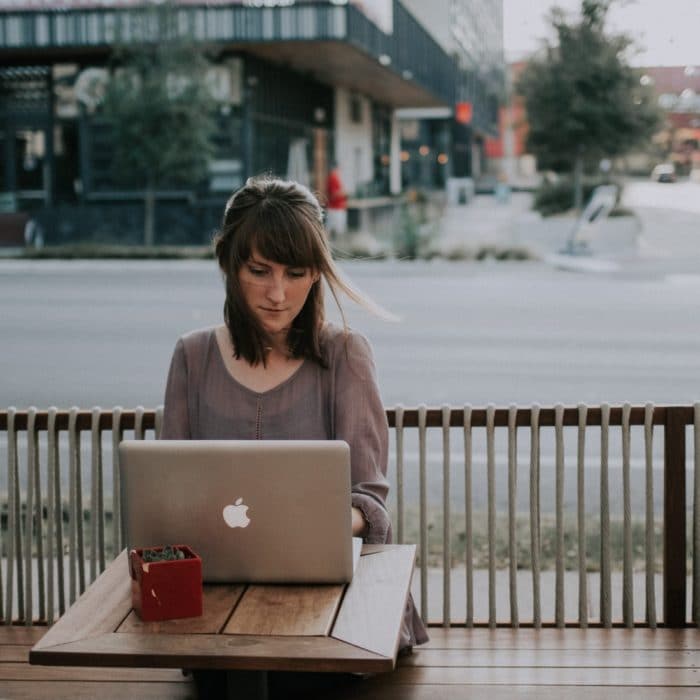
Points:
x=275 y=369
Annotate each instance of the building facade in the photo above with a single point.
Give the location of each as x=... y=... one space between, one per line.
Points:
x=441 y=143
x=296 y=85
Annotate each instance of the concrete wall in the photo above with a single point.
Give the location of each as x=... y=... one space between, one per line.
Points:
x=353 y=140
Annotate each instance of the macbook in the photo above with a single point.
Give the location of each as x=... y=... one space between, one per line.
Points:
x=272 y=511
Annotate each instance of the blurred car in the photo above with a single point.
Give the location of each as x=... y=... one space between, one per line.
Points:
x=664 y=172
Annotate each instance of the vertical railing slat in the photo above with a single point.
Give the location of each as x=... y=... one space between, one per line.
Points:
x=696 y=514
x=14 y=550
x=117 y=433
x=400 y=506
x=52 y=456
x=20 y=523
x=97 y=535
x=39 y=525
x=627 y=574
x=675 y=565
x=605 y=581
x=491 y=507
x=446 y=518
x=581 y=519
x=159 y=421
x=650 y=536
x=58 y=506
x=512 y=513
x=423 y=496
x=535 y=513
x=29 y=517
x=76 y=571
x=139 y=432
x=468 y=516
x=559 y=508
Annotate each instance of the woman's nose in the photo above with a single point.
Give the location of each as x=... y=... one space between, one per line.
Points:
x=276 y=290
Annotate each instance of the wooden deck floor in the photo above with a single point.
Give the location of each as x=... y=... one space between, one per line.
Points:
x=502 y=664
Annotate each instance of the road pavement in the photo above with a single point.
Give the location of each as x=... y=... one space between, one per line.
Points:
x=101 y=332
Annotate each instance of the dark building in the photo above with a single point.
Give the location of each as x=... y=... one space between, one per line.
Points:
x=296 y=84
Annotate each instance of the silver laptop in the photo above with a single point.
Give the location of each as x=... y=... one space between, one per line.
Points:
x=274 y=511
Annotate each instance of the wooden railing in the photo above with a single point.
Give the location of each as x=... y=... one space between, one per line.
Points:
x=50 y=536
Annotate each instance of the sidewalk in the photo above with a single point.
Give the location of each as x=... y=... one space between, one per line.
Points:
x=487 y=222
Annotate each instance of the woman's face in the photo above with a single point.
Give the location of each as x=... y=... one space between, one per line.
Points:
x=275 y=293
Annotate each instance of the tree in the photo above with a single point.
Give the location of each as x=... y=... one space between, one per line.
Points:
x=583 y=101
x=159 y=108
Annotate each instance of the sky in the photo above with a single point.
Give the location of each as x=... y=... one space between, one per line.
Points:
x=667 y=31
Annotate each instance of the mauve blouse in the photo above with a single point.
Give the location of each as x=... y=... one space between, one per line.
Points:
x=341 y=402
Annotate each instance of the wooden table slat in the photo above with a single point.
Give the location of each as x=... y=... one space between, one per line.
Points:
x=286 y=610
x=373 y=607
x=218 y=651
x=99 y=610
x=217 y=603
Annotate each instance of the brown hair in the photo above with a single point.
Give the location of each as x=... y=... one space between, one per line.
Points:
x=283 y=221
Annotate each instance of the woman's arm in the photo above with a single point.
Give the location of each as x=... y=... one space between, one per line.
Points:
x=359 y=525
x=360 y=420
x=176 y=420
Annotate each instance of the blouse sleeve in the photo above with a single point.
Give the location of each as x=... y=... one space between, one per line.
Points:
x=176 y=421
x=360 y=420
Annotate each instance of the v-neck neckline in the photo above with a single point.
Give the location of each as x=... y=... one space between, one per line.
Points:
x=243 y=386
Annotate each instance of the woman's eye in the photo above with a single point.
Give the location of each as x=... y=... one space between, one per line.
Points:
x=297 y=273
x=257 y=271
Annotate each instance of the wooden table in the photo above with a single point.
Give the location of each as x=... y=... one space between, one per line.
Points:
x=351 y=628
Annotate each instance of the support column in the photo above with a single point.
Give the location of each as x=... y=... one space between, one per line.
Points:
x=395 y=156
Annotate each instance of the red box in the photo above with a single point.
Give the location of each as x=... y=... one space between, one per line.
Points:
x=166 y=590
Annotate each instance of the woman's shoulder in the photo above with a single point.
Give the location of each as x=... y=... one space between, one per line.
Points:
x=197 y=341
x=344 y=342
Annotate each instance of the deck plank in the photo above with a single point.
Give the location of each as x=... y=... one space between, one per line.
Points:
x=89 y=690
x=570 y=638
x=19 y=634
x=457 y=664
x=536 y=676
x=561 y=658
x=13 y=652
x=17 y=671
x=371 y=689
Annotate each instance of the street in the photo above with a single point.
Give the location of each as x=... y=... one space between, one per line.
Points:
x=101 y=332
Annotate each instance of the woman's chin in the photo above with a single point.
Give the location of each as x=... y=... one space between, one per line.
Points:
x=276 y=330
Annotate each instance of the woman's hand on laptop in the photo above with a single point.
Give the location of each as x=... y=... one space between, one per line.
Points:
x=359 y=524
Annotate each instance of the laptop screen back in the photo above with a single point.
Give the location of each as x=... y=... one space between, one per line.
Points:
x=274 y=511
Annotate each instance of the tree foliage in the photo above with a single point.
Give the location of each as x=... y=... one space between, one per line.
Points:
x=159 y=108
x=583 y=100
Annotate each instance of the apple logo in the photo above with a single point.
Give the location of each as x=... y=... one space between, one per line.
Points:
x=235 y=514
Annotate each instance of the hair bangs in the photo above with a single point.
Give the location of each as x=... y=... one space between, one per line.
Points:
x=284 y=235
